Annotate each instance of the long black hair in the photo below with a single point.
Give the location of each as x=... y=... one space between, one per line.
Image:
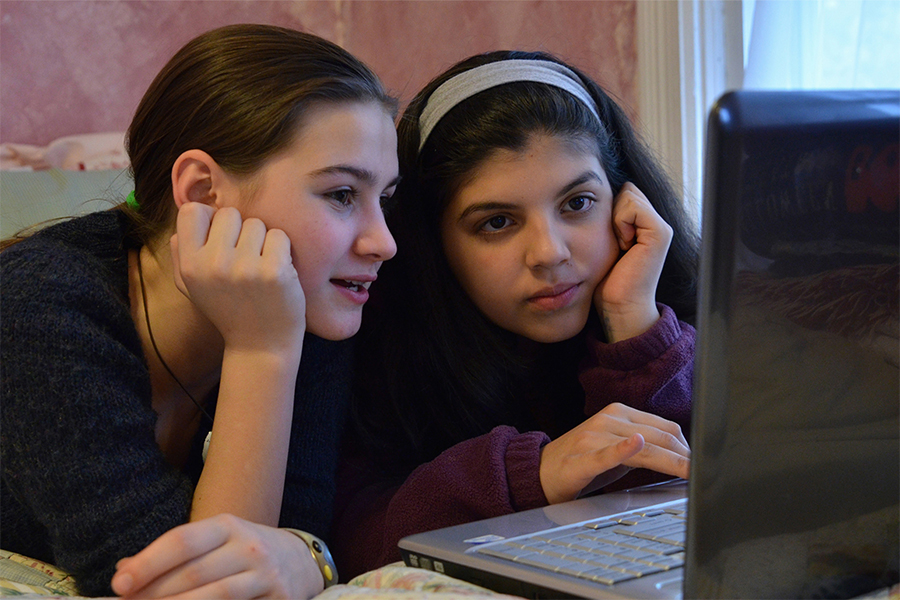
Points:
x=432 y=370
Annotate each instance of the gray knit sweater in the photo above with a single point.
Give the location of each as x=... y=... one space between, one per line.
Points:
x=83 y=480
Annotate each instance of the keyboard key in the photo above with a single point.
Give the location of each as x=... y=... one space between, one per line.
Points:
x=583 y=556
x=639 y=569
x=507 y=552
x=676 y=538
x=534 y=546
x=661 y=548
x=608 y=537
x=606 y=562
x=649 y=523
x=607 y=576
x=667 y=562
x=601 y=525
x=553 y=536
x=633 y=555
x=561 y=551
x=633 y=520
x=640 y=544
x=665 y=532
x=582 y=545
x=575 y=569
x=551 y=563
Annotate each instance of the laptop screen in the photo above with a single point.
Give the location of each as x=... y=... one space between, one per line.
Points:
x=796 y=374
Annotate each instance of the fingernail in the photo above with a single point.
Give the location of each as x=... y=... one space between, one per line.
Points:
x=122 y=583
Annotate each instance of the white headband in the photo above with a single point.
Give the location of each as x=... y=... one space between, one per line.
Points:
x=468 y=83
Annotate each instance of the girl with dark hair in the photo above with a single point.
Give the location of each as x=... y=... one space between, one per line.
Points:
x=523 y=348
x=159 y=424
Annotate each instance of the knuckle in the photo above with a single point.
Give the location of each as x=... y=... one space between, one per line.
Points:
x=615 y=409
x=228 y=521
x=229 y=588
x=228 y=212
x=193 y=574
x=669 y=441
x=277 y=235
x=254 y=223
x=668 y=232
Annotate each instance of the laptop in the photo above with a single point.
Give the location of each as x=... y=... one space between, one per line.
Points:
x=794 y=489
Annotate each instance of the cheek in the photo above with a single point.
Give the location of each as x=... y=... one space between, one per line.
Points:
x=600 y=249
x=489 y=280
x=474 y=269
x=313 y=255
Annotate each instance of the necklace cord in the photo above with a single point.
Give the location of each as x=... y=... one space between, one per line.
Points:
x=153 y=341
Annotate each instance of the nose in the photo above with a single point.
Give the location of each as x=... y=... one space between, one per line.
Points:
x=546 y=246
x=375 y=239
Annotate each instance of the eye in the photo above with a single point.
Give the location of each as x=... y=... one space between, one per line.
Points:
x=578 y=204
x=343 y=197
x=387 y=202
x=495 y=223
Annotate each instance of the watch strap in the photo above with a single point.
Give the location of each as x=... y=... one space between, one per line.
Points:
x=320 y=553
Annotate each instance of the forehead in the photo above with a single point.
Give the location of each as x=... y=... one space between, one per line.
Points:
x=333 y=126
x=543 y=156
x=332 y=138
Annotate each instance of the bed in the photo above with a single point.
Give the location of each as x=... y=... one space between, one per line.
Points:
x=23 y=577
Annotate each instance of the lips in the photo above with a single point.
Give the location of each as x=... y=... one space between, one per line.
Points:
x=355 y=289
x=351 y=284
x=556 y=297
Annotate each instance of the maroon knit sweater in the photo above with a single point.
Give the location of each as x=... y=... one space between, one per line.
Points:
x=498 y=473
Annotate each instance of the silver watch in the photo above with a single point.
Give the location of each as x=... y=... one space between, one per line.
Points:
x=320 y=554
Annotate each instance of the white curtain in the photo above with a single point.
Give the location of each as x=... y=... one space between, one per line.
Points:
x=821 y=44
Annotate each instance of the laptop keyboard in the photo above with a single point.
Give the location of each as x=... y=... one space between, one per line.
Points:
x=607 y=551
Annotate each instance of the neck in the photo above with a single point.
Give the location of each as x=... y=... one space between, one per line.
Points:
x=185 y=341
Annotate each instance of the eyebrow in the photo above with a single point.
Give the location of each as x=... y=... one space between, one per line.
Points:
x=364 y=175
x=490 y=205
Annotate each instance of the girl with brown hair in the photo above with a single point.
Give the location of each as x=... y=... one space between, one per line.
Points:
x=172 y=381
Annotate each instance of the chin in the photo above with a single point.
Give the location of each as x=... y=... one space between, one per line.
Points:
x=551 y=335
x=553 y=332
x=334 y=331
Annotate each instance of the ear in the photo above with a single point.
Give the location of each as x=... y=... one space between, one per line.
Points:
x=197 y=177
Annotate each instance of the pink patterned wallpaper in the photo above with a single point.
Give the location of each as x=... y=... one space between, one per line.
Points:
x=80 y=66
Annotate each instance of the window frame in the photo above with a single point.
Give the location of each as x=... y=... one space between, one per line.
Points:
x=689 y=53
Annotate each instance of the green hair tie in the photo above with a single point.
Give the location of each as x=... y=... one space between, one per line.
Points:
x=131 y=202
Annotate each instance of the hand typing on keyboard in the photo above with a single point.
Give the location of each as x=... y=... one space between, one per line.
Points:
x=606 y=446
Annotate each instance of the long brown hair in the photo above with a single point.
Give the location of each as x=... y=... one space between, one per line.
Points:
x=238 y=93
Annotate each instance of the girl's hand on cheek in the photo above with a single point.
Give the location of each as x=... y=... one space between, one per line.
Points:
x=240 y=276
x=608 y=445
x=626 y=297
x=220 y=557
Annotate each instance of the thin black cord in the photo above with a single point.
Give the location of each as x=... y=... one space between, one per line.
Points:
x=153 y=341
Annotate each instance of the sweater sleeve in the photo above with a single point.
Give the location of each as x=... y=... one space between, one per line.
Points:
x=652 y=372
x=88 y=482
x=487 y=476
x=320 y=404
